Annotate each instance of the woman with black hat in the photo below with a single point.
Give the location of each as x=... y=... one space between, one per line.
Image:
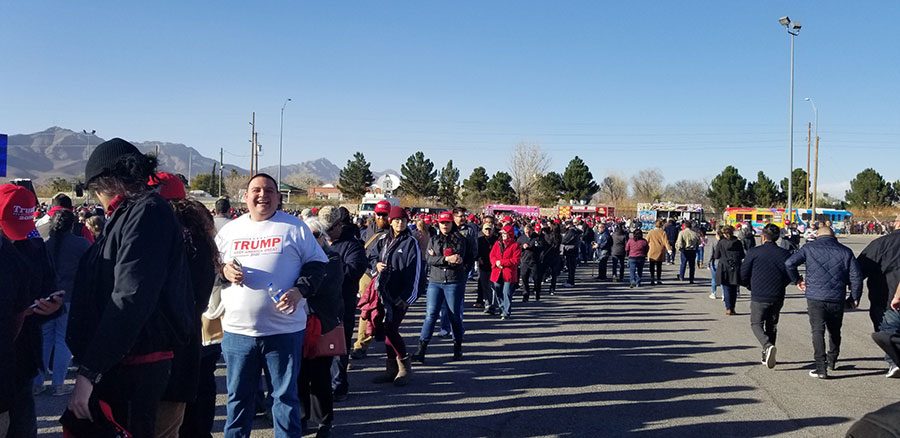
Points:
x=132 y=302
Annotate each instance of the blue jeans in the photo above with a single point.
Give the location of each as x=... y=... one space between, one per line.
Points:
x=55 y=341
x=439 y=295
x=689 y=260
x=729 y=294
x=445 y=310
x=244 y=356
x=712 y=268
x=503 y=292
x=636 y=268
x=700 y=251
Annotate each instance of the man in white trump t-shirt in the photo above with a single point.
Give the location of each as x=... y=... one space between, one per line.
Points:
x=271 y=262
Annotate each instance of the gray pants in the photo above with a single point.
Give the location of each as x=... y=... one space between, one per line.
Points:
x=764 y=321
x=4 y=424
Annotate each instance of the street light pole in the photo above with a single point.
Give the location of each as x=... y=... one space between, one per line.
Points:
x=280 y=142
x=816 y=171
x=793 y=28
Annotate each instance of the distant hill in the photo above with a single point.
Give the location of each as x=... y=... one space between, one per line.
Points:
x=60 y=152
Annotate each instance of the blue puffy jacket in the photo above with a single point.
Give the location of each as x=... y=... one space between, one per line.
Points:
x=830 y=268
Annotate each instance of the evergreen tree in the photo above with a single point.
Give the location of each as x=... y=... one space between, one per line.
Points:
x=727 y=189
x=356 y=177
x=208 y=182
x=499 y=189
x=798 y=191
x=869 y=189
x=448 y=185
x=475 y=186
x=418 y=177
x=763 y=191
x=578 y=182
x=549 y=189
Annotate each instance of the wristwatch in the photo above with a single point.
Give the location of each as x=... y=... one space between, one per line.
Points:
x=92 y=376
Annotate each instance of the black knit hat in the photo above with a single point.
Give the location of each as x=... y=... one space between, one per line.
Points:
x=105 y=155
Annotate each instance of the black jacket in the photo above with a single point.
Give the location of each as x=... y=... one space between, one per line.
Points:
x=326 y=301
x=830 y=268
x=404 y=276
x=532 y=248
x=764 y=273
x=619 y=239
x=29 y=344
x=728 y=254
x=485 y=244
x=441 y=271
x=18 y=289
x=551 y=256
x=65 y=252
x=353 y=259
x=571 y=241
x=671 y=232
x=880 y=265
x=133 y=292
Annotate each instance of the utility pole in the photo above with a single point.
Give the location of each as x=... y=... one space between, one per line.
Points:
x=816 y=178
x=808 y=145
x=190 y=165
x=157 y=150
x=253 y=144
x=221 y=168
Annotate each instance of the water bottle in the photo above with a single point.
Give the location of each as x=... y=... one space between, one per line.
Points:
x=276 y=295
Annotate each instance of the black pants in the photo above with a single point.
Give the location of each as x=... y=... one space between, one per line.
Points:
x=315 y=390
x=601 y=268
x=890 y=343
x=571 y=263
x=689 y=260
x=824 y=316
x=655 y=270
x=618 y=267
x=485 y=286
x=540 y=272
x=200 y=414
x=527 y=271
x=764 y=321
x=133 y=393
x=339 y=382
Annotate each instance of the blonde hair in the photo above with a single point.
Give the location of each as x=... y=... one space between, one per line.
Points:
x=95 y=223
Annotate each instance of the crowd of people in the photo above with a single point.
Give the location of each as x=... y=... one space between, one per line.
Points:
x=145 y=305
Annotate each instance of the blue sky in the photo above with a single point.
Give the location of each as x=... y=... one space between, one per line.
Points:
x=685 y=86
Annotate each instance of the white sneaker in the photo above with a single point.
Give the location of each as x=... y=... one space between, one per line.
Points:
x=713 y=297
x=568 y=285
x=813 y=373
x=894 y=372
x=770 y=357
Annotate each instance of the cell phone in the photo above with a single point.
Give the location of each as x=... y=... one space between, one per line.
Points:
x=52 y=297
x=237 y=263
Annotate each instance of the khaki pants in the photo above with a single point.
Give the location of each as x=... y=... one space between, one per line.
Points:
x=362 y=341
x=169 y=416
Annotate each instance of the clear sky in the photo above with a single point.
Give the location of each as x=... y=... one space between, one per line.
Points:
x=686 y=86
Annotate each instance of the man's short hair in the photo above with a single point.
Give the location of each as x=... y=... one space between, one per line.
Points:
x=459 y=210
x=223 y=206
x=824 y=231
x=687 y=225
x=771 y=232
x=266 y=176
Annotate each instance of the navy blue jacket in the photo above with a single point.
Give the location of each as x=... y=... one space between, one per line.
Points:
x=764 y=273
x=830 y=268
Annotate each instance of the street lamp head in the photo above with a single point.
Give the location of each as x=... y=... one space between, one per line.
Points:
x=795 y=26
x=785 y=21
x=806 y=99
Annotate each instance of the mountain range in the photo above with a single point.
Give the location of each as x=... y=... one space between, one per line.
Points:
x=60 y=152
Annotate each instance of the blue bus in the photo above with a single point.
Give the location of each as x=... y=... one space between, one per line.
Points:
x=838 y=218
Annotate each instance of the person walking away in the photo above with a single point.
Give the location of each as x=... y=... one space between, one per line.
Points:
x=398 y=269
x=132 y=305
x=531 y=250
x=728 y=255
x=830 y=269
x=448 y=256
x=551 y=260
x=223 y=213
x=687 y=244
x=326 y=308
x=505 y=258
x=713 y=269
x=273 y=262
x=888 y=335
x=619 y=255
x=345 y=241
x=747 y=236
x=671 y=230
x=764 y=273
x=571 y=242
x=657 y=251
x=65 y=250
x=880 y=265
x=701 y=247
x=636 y=248
x=485 y=243
x=603 y=245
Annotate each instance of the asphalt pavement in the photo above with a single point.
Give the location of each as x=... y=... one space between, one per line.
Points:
x=602 y=359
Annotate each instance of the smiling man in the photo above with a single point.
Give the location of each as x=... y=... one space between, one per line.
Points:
x=272 y=261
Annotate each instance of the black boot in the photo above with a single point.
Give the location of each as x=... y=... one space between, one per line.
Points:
x=420 y=353
x=457 y=350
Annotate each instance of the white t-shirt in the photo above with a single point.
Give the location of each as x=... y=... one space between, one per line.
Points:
x=271 y=251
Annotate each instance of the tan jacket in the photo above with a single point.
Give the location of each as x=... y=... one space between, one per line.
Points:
x=659 y=245
x=687 y=239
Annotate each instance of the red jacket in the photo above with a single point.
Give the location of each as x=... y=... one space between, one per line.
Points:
x=509 y=260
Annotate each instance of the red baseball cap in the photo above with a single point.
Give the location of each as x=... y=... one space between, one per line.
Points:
x=383 y=207
x=397 y=213
x=508 y=229
x=445 y=216
x=506 y=219
x=170 y=186
x=17 y=207
x=427 y=220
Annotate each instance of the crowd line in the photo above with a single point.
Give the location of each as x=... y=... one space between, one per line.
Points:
x=145 y=293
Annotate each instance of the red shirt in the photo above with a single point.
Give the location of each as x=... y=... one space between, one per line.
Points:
x=637 y=248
